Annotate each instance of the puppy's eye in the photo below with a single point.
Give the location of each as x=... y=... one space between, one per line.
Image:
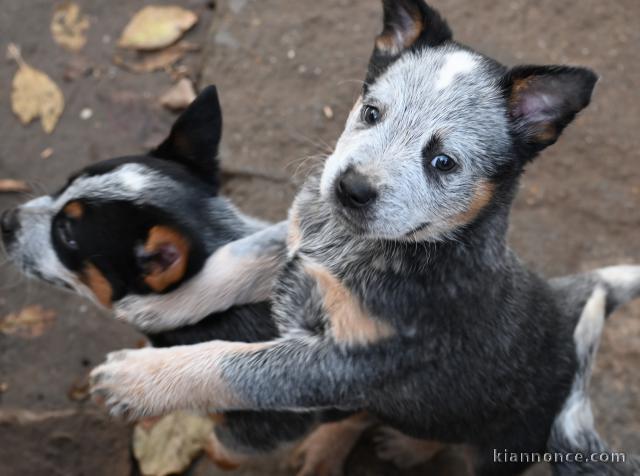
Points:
x=443 y=163
x=370 y=115
x=64 y=230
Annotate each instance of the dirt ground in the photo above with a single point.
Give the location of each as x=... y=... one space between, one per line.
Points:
x=281 y=66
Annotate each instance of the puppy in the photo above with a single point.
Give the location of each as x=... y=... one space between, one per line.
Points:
x=573 y=431
x=400 y=295
x=136 y=235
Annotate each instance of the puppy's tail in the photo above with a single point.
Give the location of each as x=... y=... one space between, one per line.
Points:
x=620 y=283
x=594 y=295
x=573 y=431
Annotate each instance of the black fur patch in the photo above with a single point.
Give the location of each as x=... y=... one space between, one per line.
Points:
x=195 y=137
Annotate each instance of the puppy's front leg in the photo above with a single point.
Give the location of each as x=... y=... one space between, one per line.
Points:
x=291 y=373
x=240 y=272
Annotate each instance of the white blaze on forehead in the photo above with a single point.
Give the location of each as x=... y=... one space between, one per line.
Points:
x=455 y=64
x=134 y=180
x=127 y=182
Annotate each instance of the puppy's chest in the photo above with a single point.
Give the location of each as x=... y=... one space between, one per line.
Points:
x=312 y=299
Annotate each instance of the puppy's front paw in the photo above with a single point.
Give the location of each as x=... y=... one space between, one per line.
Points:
x=134 y=383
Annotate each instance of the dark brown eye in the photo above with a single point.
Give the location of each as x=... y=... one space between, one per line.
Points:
x=64 y=231
x=443 y=163
x=370 y=115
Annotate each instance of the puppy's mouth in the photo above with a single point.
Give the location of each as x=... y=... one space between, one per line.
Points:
x=418 y=229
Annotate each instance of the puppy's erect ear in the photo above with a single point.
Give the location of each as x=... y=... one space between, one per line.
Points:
x=195 y=137
x=406 y=24
x=163 y=258
x=542 y=100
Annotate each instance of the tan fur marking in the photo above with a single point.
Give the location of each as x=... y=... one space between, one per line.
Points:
x=294 y=235
x=74 y=209
x=220 y=455
x=160 y=279
x=393 y=43
x=519 y=86
x=405 y=451
x=99 y=285
x=326 y=449
x=217 y=418
x=481 y=198
x=350 y=324
x=547 y=132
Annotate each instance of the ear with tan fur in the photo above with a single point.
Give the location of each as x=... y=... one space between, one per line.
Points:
x=163 y=258
x=543 y=100
x=406 y=24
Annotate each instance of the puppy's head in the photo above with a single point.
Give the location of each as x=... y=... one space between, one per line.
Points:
x=439 y=129
x=131 y=225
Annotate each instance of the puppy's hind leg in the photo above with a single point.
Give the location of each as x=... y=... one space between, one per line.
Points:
x=246 y=438
x=402 y=450
x=325 y=451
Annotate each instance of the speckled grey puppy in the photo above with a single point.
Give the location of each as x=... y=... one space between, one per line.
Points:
x=400 y=295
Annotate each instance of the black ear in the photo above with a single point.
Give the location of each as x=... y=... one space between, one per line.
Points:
x=543 y=100
x=406 y=24
x=195 y=137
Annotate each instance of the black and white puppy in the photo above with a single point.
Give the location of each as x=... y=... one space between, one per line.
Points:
x=148 y=237
x=400 y=295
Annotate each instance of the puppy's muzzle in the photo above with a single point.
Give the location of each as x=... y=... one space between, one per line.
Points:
x=354 y=190
x=9 y=224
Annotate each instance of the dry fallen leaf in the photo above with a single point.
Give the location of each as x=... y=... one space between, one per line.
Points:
x=169 y=445
x=157 y=60
x=156 y=27
x=69 y=27
x=46 y=153
x=34 y=94
x=30 y=322
x=14 y=186
x=179 y=96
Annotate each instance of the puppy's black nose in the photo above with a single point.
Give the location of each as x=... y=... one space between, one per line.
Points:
x=354 y=190
x=9 y=223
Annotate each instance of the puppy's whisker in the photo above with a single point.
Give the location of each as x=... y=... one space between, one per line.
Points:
x=352 y=80
x=318 y=143
x=316 y=160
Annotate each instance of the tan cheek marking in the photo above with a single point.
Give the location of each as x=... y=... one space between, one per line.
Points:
x=92 y=277
x=350 y=324
x=481 y=198
x=74 y=210
x=162 y=279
